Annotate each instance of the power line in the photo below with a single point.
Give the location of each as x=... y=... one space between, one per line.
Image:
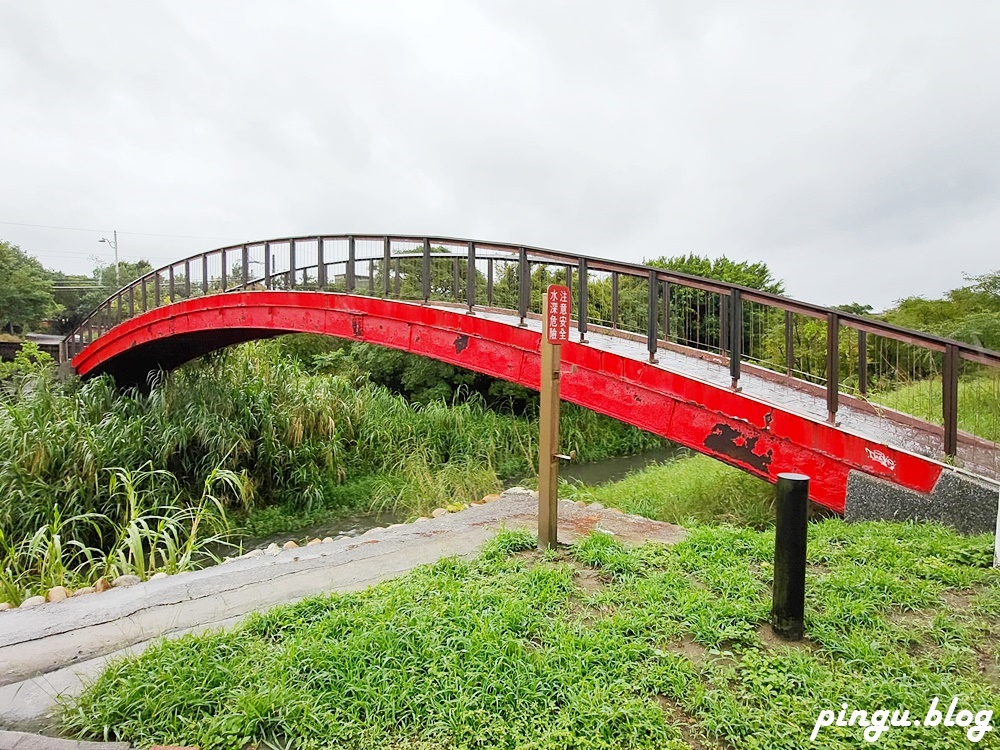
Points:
x=87 y=254
x=134 y=234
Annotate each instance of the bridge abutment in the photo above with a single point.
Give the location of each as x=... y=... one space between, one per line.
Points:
x=965 y=503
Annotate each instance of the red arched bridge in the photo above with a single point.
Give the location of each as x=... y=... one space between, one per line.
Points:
x=888 y=422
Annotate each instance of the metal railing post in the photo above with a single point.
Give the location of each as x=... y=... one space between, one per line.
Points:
x=582 y=304
x=224 y=263
x=187 y=279
x=386 y=266
x=725 y=324
x=489 y=282
x=291 y=264
x=735 y=335
x=470 y=277
x=245 y=262
x=320 y=265
x=614 y=300
x=204 y=275
x=425 y=271
x=267 y=265
x=349 y=278
x=666 y=311
x=523 y=284
x=652 y=322
x=863 y=363
x=789 y=343
x=170 y=283
x=832 y=366
x=949 y=399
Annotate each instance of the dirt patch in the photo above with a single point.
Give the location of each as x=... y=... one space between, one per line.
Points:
x=958 y=599
x=772 y=641
x=988 y=667
x=576 y=522
x=589 y=580
x=687 y=726
x=912 y=619
x=686 y=647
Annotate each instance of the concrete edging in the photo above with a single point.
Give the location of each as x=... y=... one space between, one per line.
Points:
x=51 y=650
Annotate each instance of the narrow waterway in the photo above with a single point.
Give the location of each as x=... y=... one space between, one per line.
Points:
x=613 y=469
x=340 y=527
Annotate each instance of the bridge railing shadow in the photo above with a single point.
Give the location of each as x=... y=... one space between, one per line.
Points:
x=949 y=388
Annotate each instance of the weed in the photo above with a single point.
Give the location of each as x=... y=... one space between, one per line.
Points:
x=493 y=653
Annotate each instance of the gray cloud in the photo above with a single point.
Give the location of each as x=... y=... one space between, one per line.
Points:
x=855 y=147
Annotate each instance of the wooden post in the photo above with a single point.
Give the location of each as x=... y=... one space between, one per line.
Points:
x=996 y=542
x=555 y=329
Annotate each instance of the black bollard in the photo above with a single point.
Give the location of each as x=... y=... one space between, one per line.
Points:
x=789 y=591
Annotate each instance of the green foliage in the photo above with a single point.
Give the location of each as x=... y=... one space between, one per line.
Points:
x=694 y=314
x=603 y=647
x=978 y=402
x=970 y=313
x=139 y=535
x=308 y=444
x=754 y=275
x=25 y=290
x=689 y=491
x=76 y=304
x=29 y=362
x=420 y=379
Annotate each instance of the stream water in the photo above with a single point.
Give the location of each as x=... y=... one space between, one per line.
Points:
x=613 y=469
x=596 y=473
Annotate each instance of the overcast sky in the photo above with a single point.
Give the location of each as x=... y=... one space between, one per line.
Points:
x=854 y=147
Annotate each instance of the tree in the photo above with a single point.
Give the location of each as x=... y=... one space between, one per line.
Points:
x=970 y=313
x=694 y=314
x=25 y=289
x=75 y=304
x=754 y=275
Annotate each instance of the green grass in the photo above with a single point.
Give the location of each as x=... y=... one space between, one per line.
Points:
x=690 y=490
x=597 y=646
x=978 y=403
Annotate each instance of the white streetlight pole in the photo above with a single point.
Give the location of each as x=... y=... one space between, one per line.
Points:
x=114 y=245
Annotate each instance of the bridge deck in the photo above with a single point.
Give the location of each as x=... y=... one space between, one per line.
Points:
x=863 y=419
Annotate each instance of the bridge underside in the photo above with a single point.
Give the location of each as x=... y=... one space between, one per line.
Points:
x=678 y=398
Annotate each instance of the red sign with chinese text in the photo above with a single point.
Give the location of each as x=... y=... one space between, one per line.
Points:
x=557 y=317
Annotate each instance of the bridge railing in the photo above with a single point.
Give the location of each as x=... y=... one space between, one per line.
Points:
x=893 y=373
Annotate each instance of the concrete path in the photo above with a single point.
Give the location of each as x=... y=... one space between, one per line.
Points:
x=48 y=651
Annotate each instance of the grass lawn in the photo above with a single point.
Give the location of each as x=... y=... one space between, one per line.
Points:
x=978 y=403
x=596 y=646
x=689 y=490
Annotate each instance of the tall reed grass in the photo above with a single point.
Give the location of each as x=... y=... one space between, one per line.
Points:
x=264 y=430
x=134 y=540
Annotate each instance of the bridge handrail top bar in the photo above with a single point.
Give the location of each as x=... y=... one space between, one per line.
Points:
x=558 y=257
